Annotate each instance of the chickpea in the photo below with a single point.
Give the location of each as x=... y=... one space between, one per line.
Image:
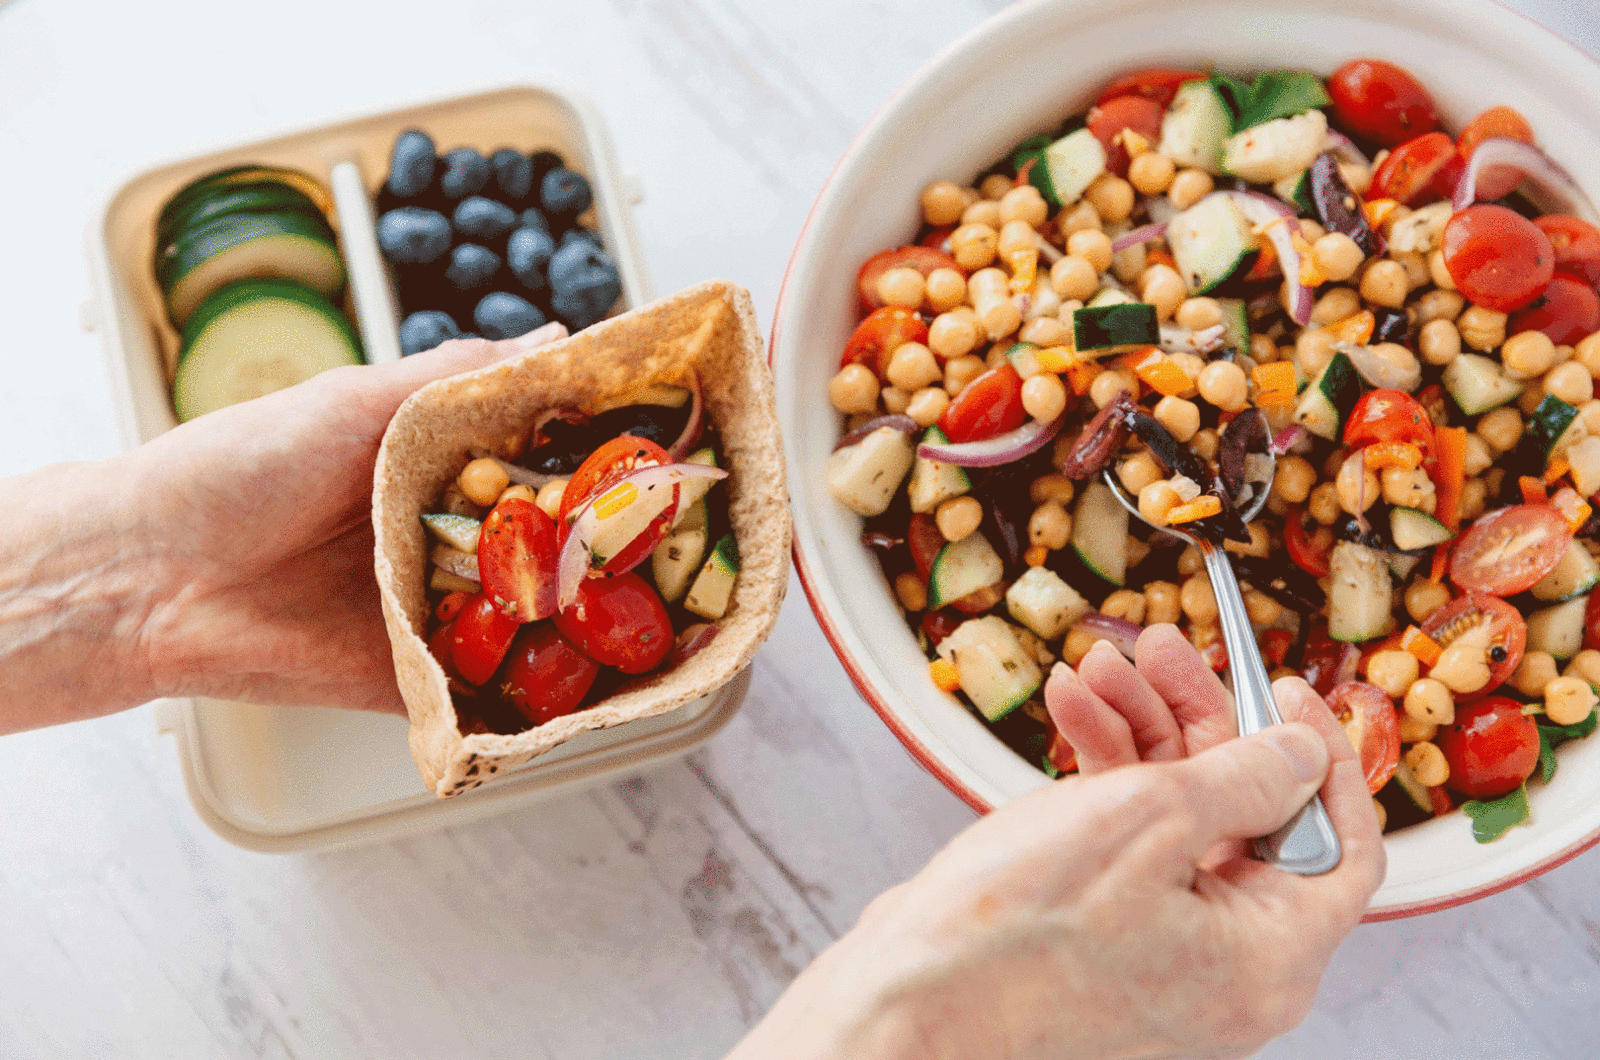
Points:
x=912 y=593
x=953 y=334
x=1162 y=287
x=1356 y=485
x=1188 y=187
x=1408 y=487
x=1416 y=267
x=1138 y=471
x=903 y=287
x=1151 y=173
x=1385 y=283
x=942 y=204
x=1571 y=382
x=1311 y=230
x=1477 y=456
x=1423 y=598
x=1074 y=277
x=1482 y=329
x=1076 y=646
x=1180 y=417
x=1532 y=394
x=895 y=400
x=1025 y=204
x=1044 y=397
x=1474 y=499
x=1128 y=263
x=1568 y=700
x=1427 y=764
x=1111 y=196
x=1262 y=349
x=982 y=212
x=1587 y=353
x=1393 y=671
x=946 y=289
x=1198 y=601
x=1294 y=478
x=1045 y=331
x=1093 y=246
x=1527 y=354
x=912 y=366
x=1198 y=313
x=1439 y=273
x=517 y=491
x=995 y=185
x=997 y=356
x=1537 y=669
x=1052 y=487
x=1225 y=385
x=1338 y=256
x=1500 y=429
x=1049 y=526
x=1107 y=385
x=1077 y=218
x=1205 y=443
x=1161 y=603
x=1462 y=667
x=1590 y=410
x=958 y=517
x=1313 y=349
x=550 y=495
x=1157 y=500
x=959 y=371
x=1586 y=664
x=927 y=405
x=1190 y=561
x=1439 y=305
x=1414 y=731
x=1323 y=504
x=1015 y=236
x=1439 y=342
x=1262 y=609
x=1338 y=303
x=1125 y=603
x=1430 y=701
x=974 y=245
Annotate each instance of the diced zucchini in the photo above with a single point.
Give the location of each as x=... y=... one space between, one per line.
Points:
x=1325 y=404
x=1045 y=604
x=1559 y=629
x=691 y=490
x=1415 y=789
x=1024 y=357
x=1110 y=296
x=1577 y=572
x=1211 y=241
x=1478 y=384
x=1104 y=326
x=1068 y=166
x=864 y=476
x=455 y=561
x=964 y=567
x=679 y=555
x=1295 y=190
x=712 y=590
x=1359 y=598
x=1196 y=125
x=1279 y=148
x=1100 y=532
x=933 y=483
x=1412 y=529
x=995 y=671
x=1554 y=426
x=457 y=531
x=1235 y=324
x=1402 y=564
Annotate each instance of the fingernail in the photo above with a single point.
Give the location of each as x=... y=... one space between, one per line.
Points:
x=1307 y=754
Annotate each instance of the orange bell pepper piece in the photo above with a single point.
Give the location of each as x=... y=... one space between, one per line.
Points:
x=1391 y=454
x=1200 y=508
x=1418 y=643
x=1356 y=328
x=944 y=675
x=1450 y=472
x=1533 y=491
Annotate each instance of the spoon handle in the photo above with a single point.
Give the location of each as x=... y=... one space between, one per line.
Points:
x=1307 y=845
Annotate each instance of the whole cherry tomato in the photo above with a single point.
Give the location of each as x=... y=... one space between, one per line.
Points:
x=1480 y=563
x=1369 y=719
x=1508 y=634
x=1495 y=182
x=1159 y=84
x=923 y=259
x=1381 y=102
x=1576 y=243
x=1566 y=310
x=545 y=676
x=1106 y=120
x=517 y=551
x=479 y=637
x=989 y=405
x=1388 y=416
x=1491 y=747
x=1426 y=166
x=1497 y=258
x=1309 y=549
x=878 y=336
x=618 y=622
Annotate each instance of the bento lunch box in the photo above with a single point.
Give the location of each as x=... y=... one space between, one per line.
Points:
x=301 y=778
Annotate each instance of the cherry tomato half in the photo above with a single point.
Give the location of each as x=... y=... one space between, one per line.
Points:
x=1388 y=416
x=923 y=259
x=545 y=675
x=1566 y=310
x=1495 y=182
x=937 y=625
x=989 y=405
x=1591 y=622
x=1381 y=102
x=1061 y=754
x=604 y=468
x=878 y=336
x=1369 y=719
x=1491 y=747
x=1509 y=549
x=1108 y=119
x=618 y=622
x=517 y=551
x=1309 y=548
x=1576 y=243
x=1508 y=634
x=1159 y=84
x=1328 y=663
x=479 y=637
x=1497 y=258
x=1426 y=166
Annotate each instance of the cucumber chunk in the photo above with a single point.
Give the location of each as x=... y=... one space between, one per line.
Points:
x=1554 y=426
x=457 y=531
x=1235 y=324
x=1359 y=598
x=1275 y=149
x=1100 y=533
x=933 y=483
x=713 y=588
x=1067 y=167
x=1413 y=529
x=679 y=555
x=996 y=673
x=1106 y=326
x=1211 y=241
x=1559 y=629
x=1478 y=384
x=1044 y=603
x=1577 y=572
x=692 y=489
x=864 y=476
x=254 y=337
x=1328 y=401
x=293 y=246
x=964 y=567
x=1196 y=126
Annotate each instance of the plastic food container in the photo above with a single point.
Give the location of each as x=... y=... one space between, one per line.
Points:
x=264 y=777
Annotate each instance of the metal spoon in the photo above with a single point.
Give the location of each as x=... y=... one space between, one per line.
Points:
x=1307 y=845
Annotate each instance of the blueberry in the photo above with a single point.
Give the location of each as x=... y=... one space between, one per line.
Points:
x=425 y=330
x=528 y=254
x=411 y=235
x=471 y=266
x=532 y=218
x=483 y=219
x=505 y=316
x=513 y=173
x=573 y=235
x=465 y=173
x=564 y=193
x=584 y=283
x=411 y=164
x=543 y=162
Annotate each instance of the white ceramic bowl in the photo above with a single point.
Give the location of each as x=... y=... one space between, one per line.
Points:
x=1021 y=72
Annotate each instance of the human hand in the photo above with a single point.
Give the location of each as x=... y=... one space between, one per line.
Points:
x=1110 y=914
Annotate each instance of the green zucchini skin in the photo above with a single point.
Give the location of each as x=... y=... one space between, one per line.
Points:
x=1101 y=327
x=302 y=247
x=236 y=176
x=259 y=197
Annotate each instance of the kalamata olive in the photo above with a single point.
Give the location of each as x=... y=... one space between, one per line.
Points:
x=1337 y=206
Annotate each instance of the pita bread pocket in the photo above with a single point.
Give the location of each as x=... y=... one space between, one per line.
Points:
x=709 y=330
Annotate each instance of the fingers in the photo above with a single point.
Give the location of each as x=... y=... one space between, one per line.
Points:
x=1109 y=675
x=457 y=356
x=1187 y=685
x=1099 y=735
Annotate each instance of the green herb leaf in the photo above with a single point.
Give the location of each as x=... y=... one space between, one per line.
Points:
x=1553 y=736
x=1491 y=820
x=1547 y=754
x=1280 y=94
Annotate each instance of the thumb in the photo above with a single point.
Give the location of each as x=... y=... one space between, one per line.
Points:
x=1250 y=786
x=400 y=378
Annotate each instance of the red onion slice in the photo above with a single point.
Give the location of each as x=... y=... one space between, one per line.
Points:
x=587 y=524
x=690 y=640
x=1119 y=631
x=904 y=424
x=1503 y=151
x=991 y=452
x=1146 y=234
x=1286 y=438
x=695 y=424
x=1345 y=149
x=1278 y=223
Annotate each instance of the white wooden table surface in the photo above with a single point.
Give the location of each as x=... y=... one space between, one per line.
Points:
x=656 y=917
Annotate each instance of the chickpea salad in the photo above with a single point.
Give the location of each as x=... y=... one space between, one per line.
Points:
x=1200 y=269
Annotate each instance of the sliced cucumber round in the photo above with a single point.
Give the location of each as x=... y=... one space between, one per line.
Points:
x=223 y=179
x=293 y=246
x=267 y=196
x=254 y=337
